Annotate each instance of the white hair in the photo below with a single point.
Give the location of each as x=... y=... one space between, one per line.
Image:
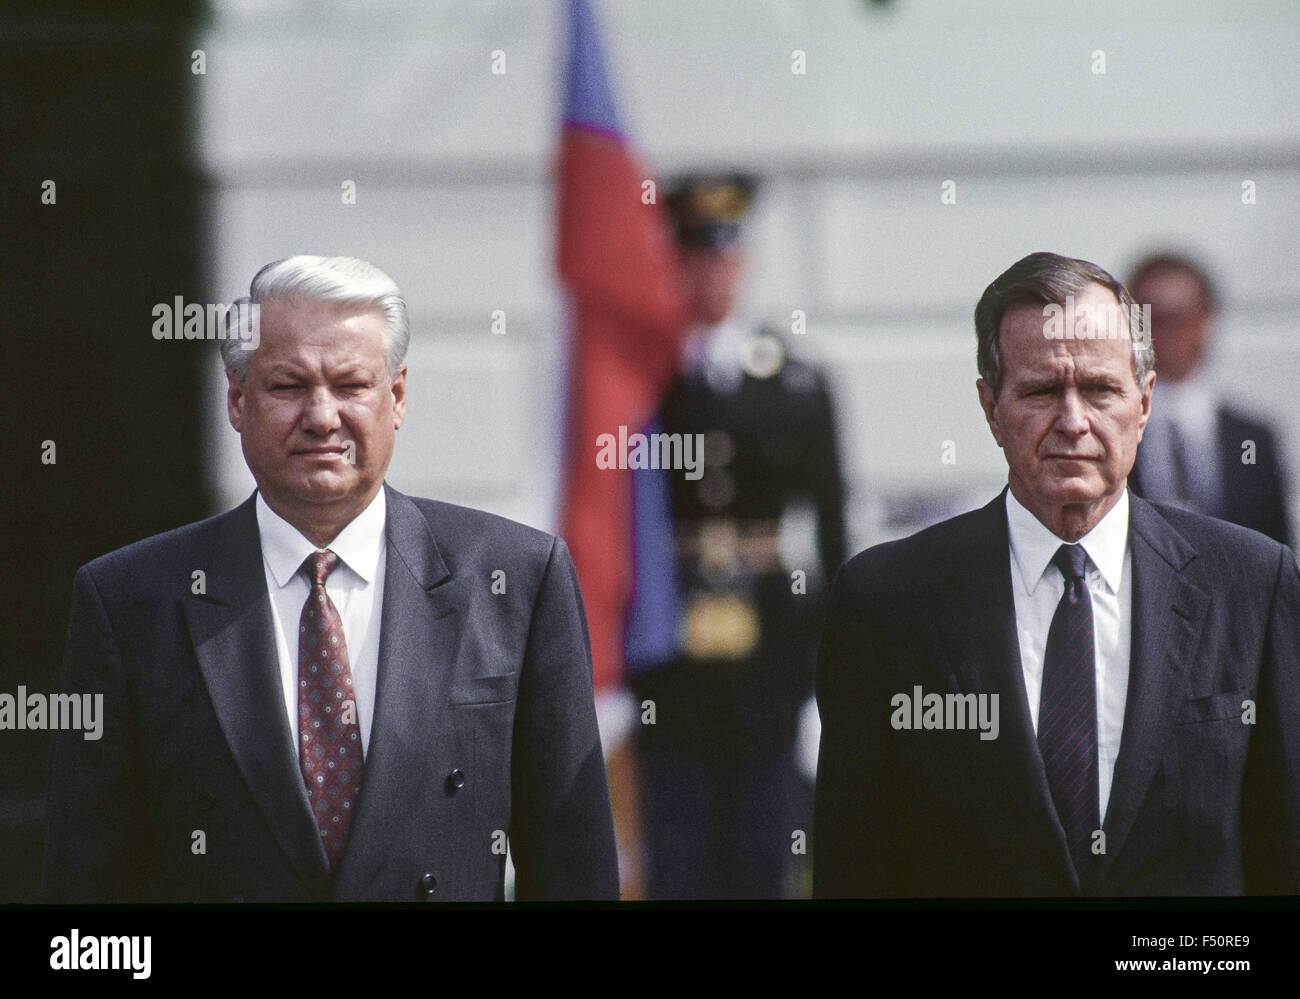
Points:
x=323 y=279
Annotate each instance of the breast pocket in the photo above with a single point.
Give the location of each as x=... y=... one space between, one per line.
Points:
x=484 y=689
x=1213 y=707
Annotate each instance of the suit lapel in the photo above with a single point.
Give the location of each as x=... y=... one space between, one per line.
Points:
x=1167 y=617
x=232 y=633
x=421 y=622
x=984 y=646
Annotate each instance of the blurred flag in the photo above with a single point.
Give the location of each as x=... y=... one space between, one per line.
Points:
x=627 y=317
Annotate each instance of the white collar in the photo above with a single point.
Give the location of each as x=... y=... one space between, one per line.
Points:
x=357 y=545
x=1033 y=545
x=719 y=352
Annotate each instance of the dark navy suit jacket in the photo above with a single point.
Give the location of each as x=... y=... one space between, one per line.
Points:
x=1202 y=803
x=484 y=726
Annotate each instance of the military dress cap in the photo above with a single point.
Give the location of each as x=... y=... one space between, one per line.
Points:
x=707 y=209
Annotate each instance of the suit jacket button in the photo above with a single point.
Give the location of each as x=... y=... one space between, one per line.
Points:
x=455 y=781
x=427 y=885
x=205 y=800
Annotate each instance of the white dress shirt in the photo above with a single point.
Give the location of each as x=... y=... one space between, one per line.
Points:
x=356 y=588
x=1037 y=586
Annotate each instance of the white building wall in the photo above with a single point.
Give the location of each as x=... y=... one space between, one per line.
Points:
x=452 y=166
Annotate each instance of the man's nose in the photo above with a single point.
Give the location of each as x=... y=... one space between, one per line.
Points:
x=1072 y=414
x=320 y=412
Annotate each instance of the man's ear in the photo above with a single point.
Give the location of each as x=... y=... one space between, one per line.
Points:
x=234 y=401
x=1147 y=384
x=399 y=397
x=989 y=403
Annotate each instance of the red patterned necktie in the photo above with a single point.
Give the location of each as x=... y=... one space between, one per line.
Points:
x=329 y=747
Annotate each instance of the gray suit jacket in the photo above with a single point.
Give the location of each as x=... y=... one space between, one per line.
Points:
x=1254 y=495
x=1201 y=803
x=484 y=726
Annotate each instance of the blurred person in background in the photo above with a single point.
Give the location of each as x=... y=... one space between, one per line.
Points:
x=721 y=798
x=1199 y=452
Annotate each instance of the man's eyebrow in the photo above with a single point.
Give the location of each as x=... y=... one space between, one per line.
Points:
x=1033 y=383
x=291 y=369
x=1084 y=376
x=351 y=369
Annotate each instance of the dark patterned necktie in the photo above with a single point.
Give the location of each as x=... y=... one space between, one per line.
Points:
x=329 y=746
x=1067 y=714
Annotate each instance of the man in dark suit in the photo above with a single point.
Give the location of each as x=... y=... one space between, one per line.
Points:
x=334 y=692
x=1199 y=452
x=1070 y=691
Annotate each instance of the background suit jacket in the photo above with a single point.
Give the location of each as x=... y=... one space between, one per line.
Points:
x=484 y=724
x=1200 y=803
x=1253 y=496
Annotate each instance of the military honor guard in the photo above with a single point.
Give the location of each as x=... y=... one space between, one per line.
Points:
x=721 y=798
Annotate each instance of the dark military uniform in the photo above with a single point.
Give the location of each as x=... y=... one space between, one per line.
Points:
x=720 y=793
x=720 y=796
x=768 y=444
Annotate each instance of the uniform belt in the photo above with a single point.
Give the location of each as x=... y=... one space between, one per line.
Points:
x=748 y=546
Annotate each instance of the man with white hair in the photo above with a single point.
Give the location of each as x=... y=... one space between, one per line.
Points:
x=333 y=692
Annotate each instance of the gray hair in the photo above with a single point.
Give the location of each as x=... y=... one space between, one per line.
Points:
x=323 y=279
x=1048 y=279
